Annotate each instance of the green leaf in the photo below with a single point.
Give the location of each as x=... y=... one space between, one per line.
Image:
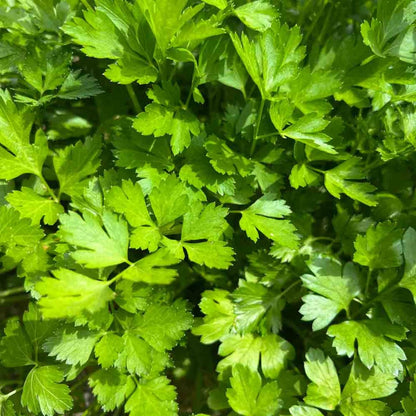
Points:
x=362 y=387
x=409 y=277
x=16 y=231
x=324 y=391
x=304 y=411
x=219 y=316
x=163 y=326
x=166 y=18
x=248 y=397
x=257 y=306
x=71 y=345
x=247 y=350
x=152 y=268
x=42 y=391
x=107 y=349
x=34 y=206
x=15 y=124
x=206 y=223
x=169 y=200
x=98 y=247
x=110 y=387
x=218 y=60
x=6 y=406
x=344 y=179
x=374 y=345
x=153 y=397
x=224 y=160
x=159 y=120
x=265 y=216
x=136 y=356
x=37 y=328
x=129 y=201
x=391 y=32
x=110 y=31
x=135 y=151
x=258 y=15
x=221 y=4
x=210 y=253
x=272 y=59
x=18 y=155
x=15 y=346
x=75 y=163
x=380 y=247
x=78 y=86
x=309 y=130
x=336 y=288
x=71 y=294
x=302 y=176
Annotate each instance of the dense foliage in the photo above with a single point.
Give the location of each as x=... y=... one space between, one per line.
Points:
x=208 y=206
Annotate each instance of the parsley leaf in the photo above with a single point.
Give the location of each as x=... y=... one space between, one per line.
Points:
x=248 y=397
x=374 y=343
x=98 y=247
x=335 y=286
x=43 y=391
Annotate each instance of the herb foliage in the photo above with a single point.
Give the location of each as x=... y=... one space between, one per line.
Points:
x=207 y=206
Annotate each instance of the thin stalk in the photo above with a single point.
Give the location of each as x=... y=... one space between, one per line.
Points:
x=86 y=4
x=368 y=281
x=256 y=131
x=12 y=291
x=367 y=306
x=313 y=239
x=13 y=299
x=136 y=105
x=265 y=136
x=79 y=383
x=49 y=189
x=289 y=288
x=118 y=276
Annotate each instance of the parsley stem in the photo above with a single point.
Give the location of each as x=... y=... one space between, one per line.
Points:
x=12 y=393
x=13 y=299
x=79 y=382
x=368 y=281
x=371 y=302
x=49 y=189
x=119 y=275
x=86 y=4
x=289 y=288
x=12 y=291
x=136 y=105
x=257 y=129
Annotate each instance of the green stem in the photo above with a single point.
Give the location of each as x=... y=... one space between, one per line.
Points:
x=188 y=98
x=370 y=303
x=136 y=105
x=12 y=291
x=10 y=383
x=289 y=288
x=49 y=189
x=13 y=299
x=12 y=393
x=256 y=131
x=312 y=26
x=118 y=276
x=318 y=170
x=321 y=239
x=79 y=383
x=368 y=281
x=265 y=136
